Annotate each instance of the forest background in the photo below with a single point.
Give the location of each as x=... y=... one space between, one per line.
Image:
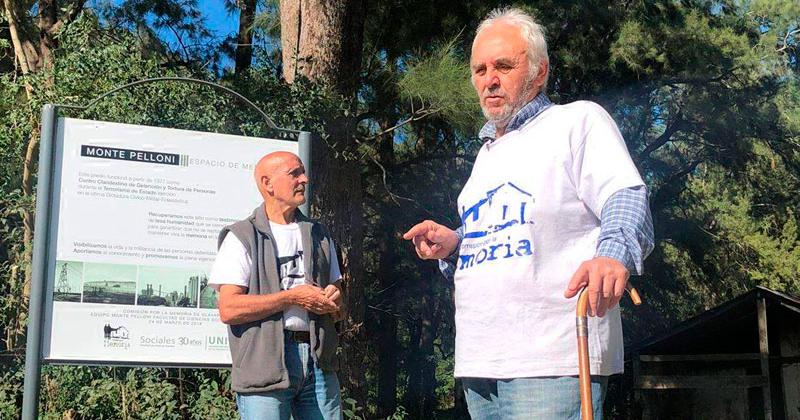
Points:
x=706 y=93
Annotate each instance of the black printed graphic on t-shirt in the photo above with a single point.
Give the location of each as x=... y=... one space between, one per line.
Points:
x=291 y=269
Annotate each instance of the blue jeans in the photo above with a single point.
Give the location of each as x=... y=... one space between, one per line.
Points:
x=531 y=398
x=312 y=393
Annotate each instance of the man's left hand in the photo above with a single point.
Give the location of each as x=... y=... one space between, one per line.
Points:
x=333 y=293
x=605 y=280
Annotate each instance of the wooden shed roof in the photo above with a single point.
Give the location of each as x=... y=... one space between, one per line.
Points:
x=728 y=328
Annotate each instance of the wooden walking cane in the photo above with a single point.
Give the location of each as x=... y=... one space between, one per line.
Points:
x=581 y=326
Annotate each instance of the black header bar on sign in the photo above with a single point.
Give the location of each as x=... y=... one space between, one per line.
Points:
x=132 y=155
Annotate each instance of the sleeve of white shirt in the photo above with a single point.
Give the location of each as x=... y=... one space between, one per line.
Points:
x=601 y=163
x=232 y=265
x=336 y=274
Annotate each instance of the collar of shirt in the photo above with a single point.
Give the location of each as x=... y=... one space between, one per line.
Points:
x=527 y=113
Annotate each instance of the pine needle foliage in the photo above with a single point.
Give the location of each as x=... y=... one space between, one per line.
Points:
x=439 y=81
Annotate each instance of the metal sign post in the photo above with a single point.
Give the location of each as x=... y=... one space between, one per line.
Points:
x=33 y=345
x=47 y=202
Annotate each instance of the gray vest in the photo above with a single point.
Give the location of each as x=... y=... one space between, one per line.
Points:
x=257 y=347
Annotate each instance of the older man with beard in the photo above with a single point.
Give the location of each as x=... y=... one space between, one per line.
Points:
x=554 y=203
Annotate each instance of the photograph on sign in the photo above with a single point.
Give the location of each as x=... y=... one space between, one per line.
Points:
x=69 y=281
x=136 y=215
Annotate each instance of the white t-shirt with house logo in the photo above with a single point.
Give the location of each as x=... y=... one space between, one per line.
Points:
x=233 y=264
x=531 y=214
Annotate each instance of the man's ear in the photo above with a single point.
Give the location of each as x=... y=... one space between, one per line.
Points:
x=266 y=185
x=541 y=75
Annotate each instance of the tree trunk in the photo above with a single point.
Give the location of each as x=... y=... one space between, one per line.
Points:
x=33 y=45
x=290 y=37
x=244 y=39
x=386 y=342
x=386 y=331
x=338 y=203
x=25 y=53
x=429 y=326
x=28 y=169
x=29 y=60
x=48 y=16
x=321 y=41
x=421 y=395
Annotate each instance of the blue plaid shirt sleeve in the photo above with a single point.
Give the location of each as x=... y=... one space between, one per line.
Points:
x=626 y=228
x=626 y=232
x=448 y=265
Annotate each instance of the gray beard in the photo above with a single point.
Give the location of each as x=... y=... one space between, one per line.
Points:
x=502 y=119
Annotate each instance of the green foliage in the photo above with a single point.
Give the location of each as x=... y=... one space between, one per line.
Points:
x=214 y=400
x=11 y=379
x=440 y=82
x=182 y=19
x=268 y=20
x=399 y=414
x=788 y=105
x=698 y=49
x=351 y=410
x=134 y=393
x=755 y=250
x=636 y=49
x=81 y=392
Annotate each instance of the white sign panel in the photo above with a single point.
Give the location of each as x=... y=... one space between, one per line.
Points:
x=139 y=210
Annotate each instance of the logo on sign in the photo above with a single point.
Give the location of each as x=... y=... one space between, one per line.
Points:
x=115 y=337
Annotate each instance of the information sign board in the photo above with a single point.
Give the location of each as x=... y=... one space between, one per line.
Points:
x=133 y=232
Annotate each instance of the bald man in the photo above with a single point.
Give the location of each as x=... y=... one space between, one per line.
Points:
x=278 y=281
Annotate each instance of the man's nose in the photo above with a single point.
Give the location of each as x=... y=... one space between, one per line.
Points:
x=491 y=78
x=303 y=179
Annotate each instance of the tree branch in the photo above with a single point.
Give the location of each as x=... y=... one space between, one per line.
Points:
x=392 y=195
x=48 y=16
x=664 y=138
x=421 y=158
x=13 y=28
x=426 y=158
x=667 y=185
x=786 y=40
x=180 y=42
x=77 y=8
x=416 y=116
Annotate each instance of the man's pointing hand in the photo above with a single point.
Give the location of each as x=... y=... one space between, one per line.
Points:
x=432 y=240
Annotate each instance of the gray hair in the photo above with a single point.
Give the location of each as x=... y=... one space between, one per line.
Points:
x=532 y=32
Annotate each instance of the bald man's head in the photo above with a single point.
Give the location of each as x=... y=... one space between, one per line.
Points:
x=281 y=178
x=267 y=165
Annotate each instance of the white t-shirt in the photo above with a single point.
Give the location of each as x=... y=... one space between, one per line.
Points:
x=233 y=263
x=531 y=214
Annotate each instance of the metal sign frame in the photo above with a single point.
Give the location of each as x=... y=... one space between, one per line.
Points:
x=45 y=232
